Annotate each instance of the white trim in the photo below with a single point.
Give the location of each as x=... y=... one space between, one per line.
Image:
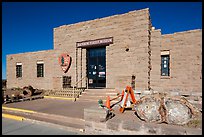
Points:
x=40 y=62
x=165 y=52
x=18 y=63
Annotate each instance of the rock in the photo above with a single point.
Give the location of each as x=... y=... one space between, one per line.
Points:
x=165 y=108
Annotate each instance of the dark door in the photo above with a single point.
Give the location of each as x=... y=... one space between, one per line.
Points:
x=97 y=67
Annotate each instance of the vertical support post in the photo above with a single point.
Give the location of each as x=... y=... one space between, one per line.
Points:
x=76 y=70
x=87 y=62
x=81 y=67
x=74 y=99
x=87 y=84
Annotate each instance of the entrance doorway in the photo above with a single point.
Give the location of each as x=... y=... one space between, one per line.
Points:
x=96 y=67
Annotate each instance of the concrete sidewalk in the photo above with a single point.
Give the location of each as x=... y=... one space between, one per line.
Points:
x=54 y=106
x=71 y=114
x=58 y=111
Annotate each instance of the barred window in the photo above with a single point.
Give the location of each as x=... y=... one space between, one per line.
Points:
x=18 y=71
x=66 y=82
x=164 y=65
x=40 y=70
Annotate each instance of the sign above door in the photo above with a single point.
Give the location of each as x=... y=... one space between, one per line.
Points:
x=94 y=43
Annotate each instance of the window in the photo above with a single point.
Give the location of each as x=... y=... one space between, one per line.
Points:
x=133 y=82
x=66 y=82
x=165 y=63
x=40 y=68
x=18 y=70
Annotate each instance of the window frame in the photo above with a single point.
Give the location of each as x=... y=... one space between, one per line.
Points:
x=66 y=82
x=167 y=54
x=19 y=71
x=40 y=71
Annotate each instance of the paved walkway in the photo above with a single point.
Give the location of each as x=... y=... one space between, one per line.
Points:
x=13 y=127
x=54 y=106
x=58 y=111
x=61 y=112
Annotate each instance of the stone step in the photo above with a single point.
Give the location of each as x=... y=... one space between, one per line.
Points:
x=100 y=90
x=64 y=95
x=96 y=100
x=98 y=94
x=68 y=92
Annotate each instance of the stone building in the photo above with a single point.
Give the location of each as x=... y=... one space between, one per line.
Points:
x=113 y=52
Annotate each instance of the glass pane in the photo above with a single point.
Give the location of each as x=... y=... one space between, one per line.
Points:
x=18 y=71
x=165 y=65
x=40 y=70
x=97 y=67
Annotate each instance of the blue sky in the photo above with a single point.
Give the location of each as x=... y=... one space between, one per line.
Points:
x=28 y=26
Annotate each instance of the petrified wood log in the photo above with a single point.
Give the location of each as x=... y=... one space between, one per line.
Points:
x=165 y=108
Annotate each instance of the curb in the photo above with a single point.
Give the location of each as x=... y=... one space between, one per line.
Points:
x=63 y=98
x=39 y=113
x=18 y=118
x=78 y=130
x=18 y=109
x=34 y=113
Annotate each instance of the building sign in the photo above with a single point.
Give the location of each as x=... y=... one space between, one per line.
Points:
x=65 y=62
x=97 y=42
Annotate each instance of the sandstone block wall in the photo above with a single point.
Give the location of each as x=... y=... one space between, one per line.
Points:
x=185 y=61
x=136 y=51
x=29 y=70
x=128 y=30
x=155 y=72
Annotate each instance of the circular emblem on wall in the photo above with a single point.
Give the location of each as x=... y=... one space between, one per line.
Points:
x=64 y=61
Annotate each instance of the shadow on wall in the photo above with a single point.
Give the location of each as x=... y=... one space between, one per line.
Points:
x=4 y=83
